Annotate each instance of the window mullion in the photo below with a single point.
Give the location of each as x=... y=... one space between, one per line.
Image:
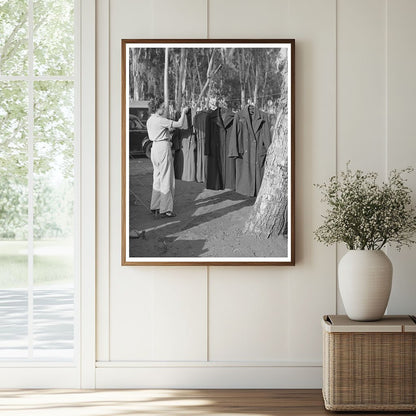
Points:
x=31 y=123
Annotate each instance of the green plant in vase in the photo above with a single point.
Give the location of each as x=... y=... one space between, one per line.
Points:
x=367 y=214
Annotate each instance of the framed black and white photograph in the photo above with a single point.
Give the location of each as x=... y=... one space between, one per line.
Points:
x=208 y=158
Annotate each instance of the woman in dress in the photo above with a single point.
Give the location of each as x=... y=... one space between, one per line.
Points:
x=158 y=129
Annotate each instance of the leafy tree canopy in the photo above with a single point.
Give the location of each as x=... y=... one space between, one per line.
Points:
x=53 y=118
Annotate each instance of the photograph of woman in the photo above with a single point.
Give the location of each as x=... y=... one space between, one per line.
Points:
x=159 y=129
x=208 y=162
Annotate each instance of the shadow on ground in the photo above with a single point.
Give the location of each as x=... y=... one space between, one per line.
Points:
x=208 y=223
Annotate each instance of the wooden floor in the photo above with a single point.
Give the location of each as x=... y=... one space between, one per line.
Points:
x=164 y=402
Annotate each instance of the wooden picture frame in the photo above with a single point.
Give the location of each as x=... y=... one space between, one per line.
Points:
x=232 y=152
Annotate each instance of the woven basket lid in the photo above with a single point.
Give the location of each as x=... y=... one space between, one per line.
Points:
x=389 y=323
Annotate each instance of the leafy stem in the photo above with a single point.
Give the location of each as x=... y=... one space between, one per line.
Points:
x=365 y=214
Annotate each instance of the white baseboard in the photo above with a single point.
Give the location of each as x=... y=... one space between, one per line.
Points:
x=209 y=377
x=169 y=375
x=39 y=378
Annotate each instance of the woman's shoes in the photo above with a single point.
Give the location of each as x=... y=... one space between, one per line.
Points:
x=156 y=214
x=167 y=214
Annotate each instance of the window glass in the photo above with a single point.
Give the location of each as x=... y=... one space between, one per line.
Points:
x=13 y=37
x=13 y=219
x=37 y=182
x=53 y=195
x=53 y=37
x=14 y=321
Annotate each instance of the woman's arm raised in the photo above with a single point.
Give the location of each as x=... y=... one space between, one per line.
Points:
x=179 y=123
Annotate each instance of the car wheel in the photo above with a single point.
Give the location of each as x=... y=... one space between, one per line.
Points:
x=147 y=147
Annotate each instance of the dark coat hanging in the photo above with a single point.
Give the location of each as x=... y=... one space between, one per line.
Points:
x=200 y=125
x=249 y=141
x=220 y=170
x=228 y=163
x=214 y=140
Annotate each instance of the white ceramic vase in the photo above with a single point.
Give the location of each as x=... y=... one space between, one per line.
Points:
x=364 y=278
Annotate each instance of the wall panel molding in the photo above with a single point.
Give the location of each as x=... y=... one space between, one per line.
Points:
x=204 y=364
x=103 y=180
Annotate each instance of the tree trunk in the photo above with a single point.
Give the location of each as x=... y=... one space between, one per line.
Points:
x=269 y=215
x=241 y=77
x=247 y=66
x=244 y=73
x=197 y=72
x=264 y=89
x=243 y=96
x=175 y=68
x=256 y=84
x=165 y=83
x=193 y=83
x=136 y=73
x=185 y=74
x=249 y=92
x=182 y=77
x=210 y=75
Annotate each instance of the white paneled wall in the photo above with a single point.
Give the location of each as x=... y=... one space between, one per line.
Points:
x=163 y=315
x=361 y=84
x=311 y=282
x=246 y=20
x=254 y=326
x=401 y=132
x=361 y=88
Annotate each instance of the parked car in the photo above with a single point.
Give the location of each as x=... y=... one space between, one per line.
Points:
x=139 y=143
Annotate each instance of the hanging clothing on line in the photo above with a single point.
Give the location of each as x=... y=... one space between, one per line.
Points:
x=250 y=138
x=214 y=139
x=220 y=171
x=185 y=147
x=200 y=124
x=228 y=163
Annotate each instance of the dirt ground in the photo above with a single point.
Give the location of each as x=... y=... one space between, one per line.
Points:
x=208 y=223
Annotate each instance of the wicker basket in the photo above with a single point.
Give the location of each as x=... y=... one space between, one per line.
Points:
x=369 y=366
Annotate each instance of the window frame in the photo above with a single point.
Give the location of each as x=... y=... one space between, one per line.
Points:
x=81 y=371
